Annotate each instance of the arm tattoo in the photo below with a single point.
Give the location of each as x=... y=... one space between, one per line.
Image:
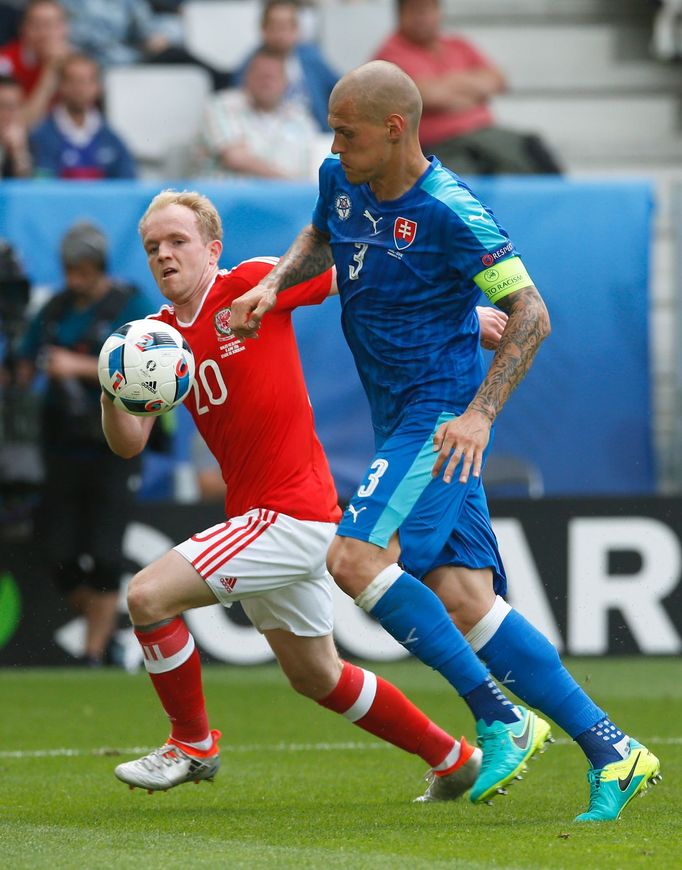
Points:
x=527 y=327
x=309 y=255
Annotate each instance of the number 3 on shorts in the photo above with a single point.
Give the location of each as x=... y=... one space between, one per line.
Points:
x=378 y=467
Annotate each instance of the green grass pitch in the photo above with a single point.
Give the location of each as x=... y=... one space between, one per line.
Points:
x=301 y=787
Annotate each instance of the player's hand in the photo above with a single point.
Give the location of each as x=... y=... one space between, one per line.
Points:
x=247 y=311
x=462 y=439
x=492 y=322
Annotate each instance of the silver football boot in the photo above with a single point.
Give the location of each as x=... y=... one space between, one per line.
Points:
x=452 y=785
x=170 y=765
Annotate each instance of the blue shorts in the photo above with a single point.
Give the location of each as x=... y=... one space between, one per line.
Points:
x=438 y=523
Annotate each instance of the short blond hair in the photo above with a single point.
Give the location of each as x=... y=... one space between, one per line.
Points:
x=207 y=217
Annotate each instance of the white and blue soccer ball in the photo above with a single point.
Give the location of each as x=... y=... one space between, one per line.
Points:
x=146 y=367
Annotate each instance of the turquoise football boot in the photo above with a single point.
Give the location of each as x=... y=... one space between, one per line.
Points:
x=506 y=749
x=613 y=786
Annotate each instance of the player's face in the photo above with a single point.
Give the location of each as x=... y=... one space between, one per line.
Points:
x=181 y=262
x=363 y=146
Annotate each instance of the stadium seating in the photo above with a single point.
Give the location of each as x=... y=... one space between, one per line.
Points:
x=221 y=32
x=350 y=33
x=157 y=110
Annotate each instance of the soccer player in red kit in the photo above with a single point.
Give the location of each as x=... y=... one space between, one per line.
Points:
x=282 y=513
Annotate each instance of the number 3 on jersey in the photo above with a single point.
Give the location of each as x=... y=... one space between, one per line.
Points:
x=213 y=386
x=377 y=468
x=359 y=257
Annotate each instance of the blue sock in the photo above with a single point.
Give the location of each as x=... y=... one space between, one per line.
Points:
x=603 y=743
x=485 y=703
x=417 y=619
x=520 y=657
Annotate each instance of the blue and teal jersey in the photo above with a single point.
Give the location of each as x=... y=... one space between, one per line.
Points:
x=406 y=270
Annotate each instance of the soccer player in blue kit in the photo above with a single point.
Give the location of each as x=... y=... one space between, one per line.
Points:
x=414 y=249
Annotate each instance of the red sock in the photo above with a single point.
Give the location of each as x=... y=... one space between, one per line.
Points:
x=172 y=661
x=379 y=707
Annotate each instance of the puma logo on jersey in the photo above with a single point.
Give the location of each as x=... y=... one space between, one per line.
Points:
x=355 y=512
x=483 y=216
x=374 y=221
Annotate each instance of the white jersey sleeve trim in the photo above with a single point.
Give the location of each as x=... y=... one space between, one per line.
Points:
x=272 y=261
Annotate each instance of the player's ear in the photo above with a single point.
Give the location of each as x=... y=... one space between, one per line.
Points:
x=395 y=126
x=216 y=248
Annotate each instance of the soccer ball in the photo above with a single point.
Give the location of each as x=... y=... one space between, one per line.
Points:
x=146 y=367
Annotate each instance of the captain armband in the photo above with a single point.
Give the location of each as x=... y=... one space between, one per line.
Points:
x=502 y=279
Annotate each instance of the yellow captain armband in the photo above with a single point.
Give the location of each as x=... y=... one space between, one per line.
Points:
x=502 y=279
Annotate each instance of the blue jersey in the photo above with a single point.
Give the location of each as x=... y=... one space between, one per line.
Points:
x=405 y=271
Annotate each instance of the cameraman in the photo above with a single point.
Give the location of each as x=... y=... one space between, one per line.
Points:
x=88 y=492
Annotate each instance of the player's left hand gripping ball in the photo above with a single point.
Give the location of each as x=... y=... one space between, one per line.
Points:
x=146 y=367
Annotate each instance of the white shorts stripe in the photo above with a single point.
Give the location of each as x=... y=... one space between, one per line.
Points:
x=233 y=547
x=156 y=664
x=274 y=564
x=215 y=550
x=229 y=533
x=365 y=699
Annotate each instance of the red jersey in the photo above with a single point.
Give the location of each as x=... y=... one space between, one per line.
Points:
x=250 y=404
x=16 y=62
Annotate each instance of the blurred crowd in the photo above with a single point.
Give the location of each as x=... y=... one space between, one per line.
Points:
x=55 y=56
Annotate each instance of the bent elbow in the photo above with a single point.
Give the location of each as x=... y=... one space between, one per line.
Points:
x=129 y=453
x=125 y=451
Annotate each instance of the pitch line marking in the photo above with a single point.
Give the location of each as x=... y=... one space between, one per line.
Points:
x=105 y=751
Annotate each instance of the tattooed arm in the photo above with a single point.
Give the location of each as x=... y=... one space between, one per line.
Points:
x=466 y=437
x=309 y=255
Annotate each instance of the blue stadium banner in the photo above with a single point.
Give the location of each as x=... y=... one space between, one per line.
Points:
x=580 y=422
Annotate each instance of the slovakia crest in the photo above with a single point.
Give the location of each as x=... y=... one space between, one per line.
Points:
x=343 y=206
x=404 y=232
x=222 y=323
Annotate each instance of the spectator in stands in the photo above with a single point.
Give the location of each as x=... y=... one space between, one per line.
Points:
x=310 y=78
x=15 y=155
x=114 y=33
x=456 y=83
x=35 y=58
x=127 y=32
x=254 y=130
x=75 y=141
x=88 y=492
